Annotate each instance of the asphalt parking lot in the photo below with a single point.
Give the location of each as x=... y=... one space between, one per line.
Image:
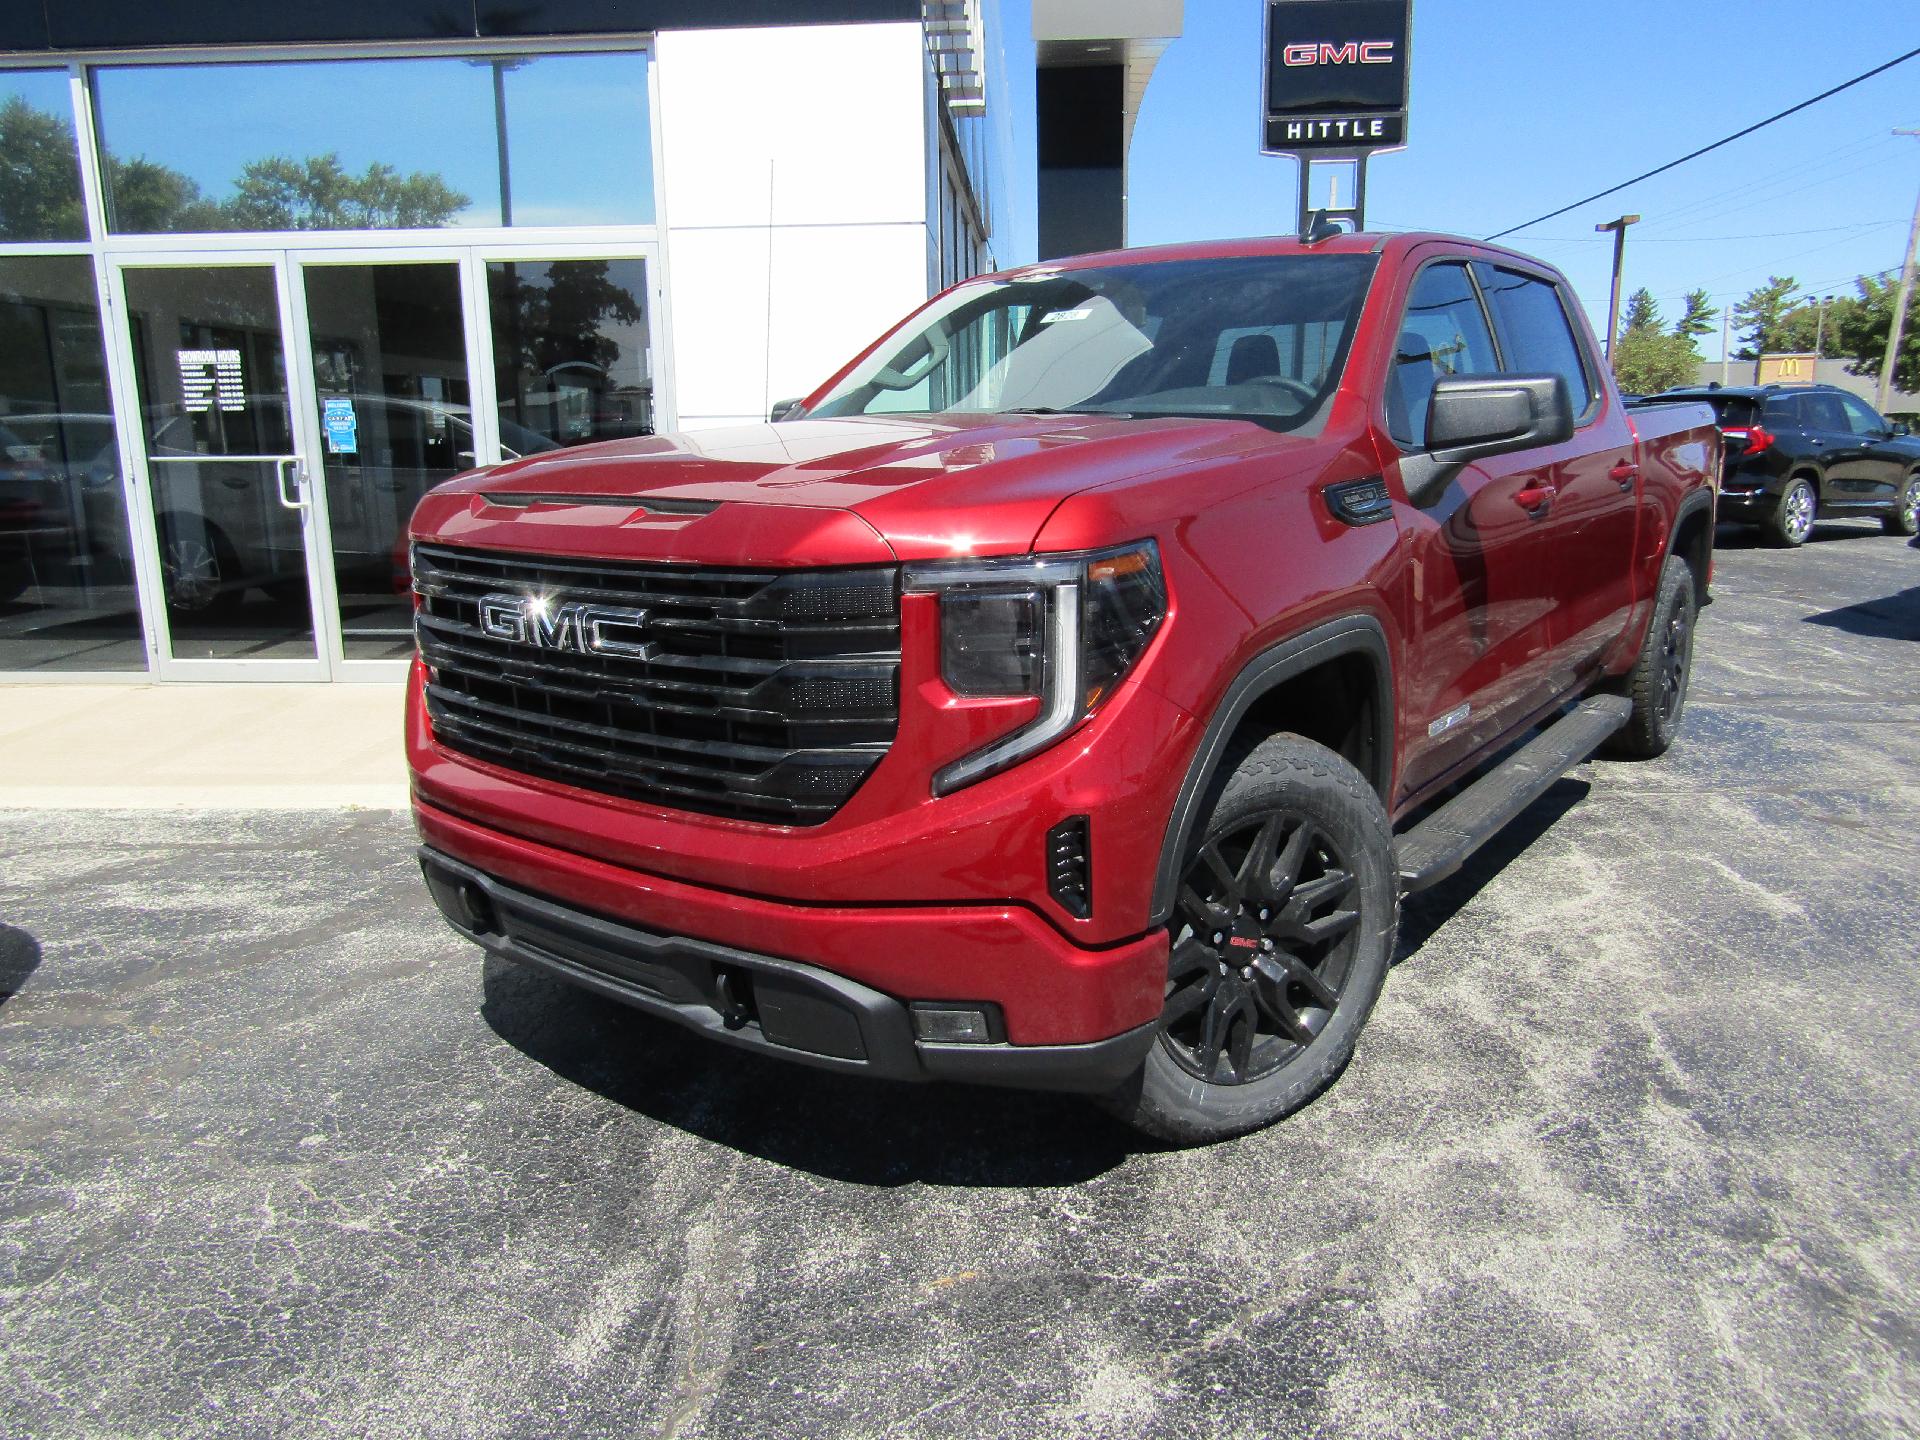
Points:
x=1629 y=1147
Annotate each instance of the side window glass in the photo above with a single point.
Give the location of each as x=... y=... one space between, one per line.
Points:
x=1861 y=418
x=1783 y=412
x=1533 y=324
x=1820 y=411
x=1444 y=332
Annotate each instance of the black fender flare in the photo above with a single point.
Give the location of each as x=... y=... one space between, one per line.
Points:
x=1691 y=504
x=1700 y=499
x=1347 y=635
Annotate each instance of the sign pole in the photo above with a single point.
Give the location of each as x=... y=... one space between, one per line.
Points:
x=1336 y=93
x=1619 y=229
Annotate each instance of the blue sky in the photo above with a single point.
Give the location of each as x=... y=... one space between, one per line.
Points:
x=1520 y=106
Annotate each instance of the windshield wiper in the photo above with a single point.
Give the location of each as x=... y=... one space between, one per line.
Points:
x=1066 y=410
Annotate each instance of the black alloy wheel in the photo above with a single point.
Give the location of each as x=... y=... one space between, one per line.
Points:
x=1676 y=642
x=1263 y=946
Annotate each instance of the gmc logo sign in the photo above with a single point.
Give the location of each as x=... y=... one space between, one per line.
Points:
x=1336 y=75
x=1354 y=52
x=565 y=625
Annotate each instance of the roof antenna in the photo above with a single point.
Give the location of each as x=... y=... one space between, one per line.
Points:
x=1333 y=218
x=1319 y=227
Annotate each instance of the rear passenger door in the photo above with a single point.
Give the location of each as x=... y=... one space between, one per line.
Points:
x=1589 y=529
x=1480 y=595
x=1873 y=469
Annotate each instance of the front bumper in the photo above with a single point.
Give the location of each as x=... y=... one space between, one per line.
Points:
x=1050 y=990
x=756 y=1002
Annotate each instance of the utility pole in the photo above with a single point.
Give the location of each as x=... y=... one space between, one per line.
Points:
x=1726 y=342
x=1819 y=331
x=1619 y=229
x=1894 y=335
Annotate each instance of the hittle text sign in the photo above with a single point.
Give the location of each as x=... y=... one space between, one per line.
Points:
x=1336 y=76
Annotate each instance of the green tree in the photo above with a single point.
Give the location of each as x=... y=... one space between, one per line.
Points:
x=319 y=193
x=1642 y=312
x=1758 y=320
x=1649 y=359
x=1698 y=317
x=1857 y=330
x=39 y=177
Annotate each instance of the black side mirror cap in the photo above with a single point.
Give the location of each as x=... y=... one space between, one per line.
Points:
x=1473 y=416
x=784 y=410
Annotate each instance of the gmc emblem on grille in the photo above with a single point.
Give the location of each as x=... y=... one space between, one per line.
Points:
x=567 y=625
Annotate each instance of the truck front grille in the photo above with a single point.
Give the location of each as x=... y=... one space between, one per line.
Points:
x=756 y=694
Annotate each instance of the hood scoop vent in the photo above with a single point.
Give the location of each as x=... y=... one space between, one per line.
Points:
x=522 y=500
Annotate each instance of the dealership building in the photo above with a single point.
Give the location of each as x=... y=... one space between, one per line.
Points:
x=269 y=272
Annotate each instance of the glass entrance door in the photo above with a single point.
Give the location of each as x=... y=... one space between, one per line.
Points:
x=391 y=405
x=294 y=405
x=224 y=479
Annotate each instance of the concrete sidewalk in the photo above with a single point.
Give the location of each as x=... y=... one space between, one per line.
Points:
x=244 y=747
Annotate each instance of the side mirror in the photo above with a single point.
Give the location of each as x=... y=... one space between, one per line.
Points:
x=1473 y=416
x=1900 y=427
x=784 y=410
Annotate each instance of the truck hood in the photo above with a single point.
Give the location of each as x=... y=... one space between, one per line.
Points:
x=929 y=486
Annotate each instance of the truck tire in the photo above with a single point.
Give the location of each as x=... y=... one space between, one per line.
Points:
x=1904 y=518
x=1657 y=684
x=1793 y=513
x=1282 y=932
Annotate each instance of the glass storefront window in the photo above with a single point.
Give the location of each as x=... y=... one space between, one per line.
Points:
x=67 y=598
x=571 y=361
x=39 y=162
x=314 y=144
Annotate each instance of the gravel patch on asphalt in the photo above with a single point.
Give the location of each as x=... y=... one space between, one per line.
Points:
x=1628 y=1148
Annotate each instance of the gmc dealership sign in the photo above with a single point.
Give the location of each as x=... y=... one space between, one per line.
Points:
x=1336 y=76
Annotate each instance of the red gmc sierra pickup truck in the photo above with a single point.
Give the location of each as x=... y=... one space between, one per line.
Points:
x=1065 y=693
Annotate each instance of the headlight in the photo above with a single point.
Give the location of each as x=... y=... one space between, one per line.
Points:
x=1065 y=628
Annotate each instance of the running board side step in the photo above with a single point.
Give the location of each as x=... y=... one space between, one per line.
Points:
x=1441 y=843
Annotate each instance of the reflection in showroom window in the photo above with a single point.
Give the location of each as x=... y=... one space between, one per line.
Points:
x=571 y=361
x=66 y=580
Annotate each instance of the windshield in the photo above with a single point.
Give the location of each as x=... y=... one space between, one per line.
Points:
x=1255 y=337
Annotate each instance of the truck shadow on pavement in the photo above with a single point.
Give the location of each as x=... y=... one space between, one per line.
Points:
x=1423 y=914
x=1892 y=617
x=868 y=1132
x=1750 y=537
x=838 y=1127
x=19 y=958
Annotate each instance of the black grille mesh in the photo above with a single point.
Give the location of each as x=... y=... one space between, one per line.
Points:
x=765 y=695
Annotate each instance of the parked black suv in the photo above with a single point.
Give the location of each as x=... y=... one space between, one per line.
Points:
x=1795 y=452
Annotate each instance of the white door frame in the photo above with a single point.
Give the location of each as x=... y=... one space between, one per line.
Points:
x=122 y=373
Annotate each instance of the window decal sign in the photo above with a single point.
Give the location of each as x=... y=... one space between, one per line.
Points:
x=341 y=424
x=209 y=377
x=1336 y=76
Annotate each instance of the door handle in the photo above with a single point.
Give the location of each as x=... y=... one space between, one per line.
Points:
x=1534 y=499
x=1624 y=474
x=293 y=499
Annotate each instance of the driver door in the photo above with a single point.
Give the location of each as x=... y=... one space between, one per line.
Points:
x=1479 y=653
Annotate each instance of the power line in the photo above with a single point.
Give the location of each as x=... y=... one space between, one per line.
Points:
x=1704 y=149
x=1705 y=239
